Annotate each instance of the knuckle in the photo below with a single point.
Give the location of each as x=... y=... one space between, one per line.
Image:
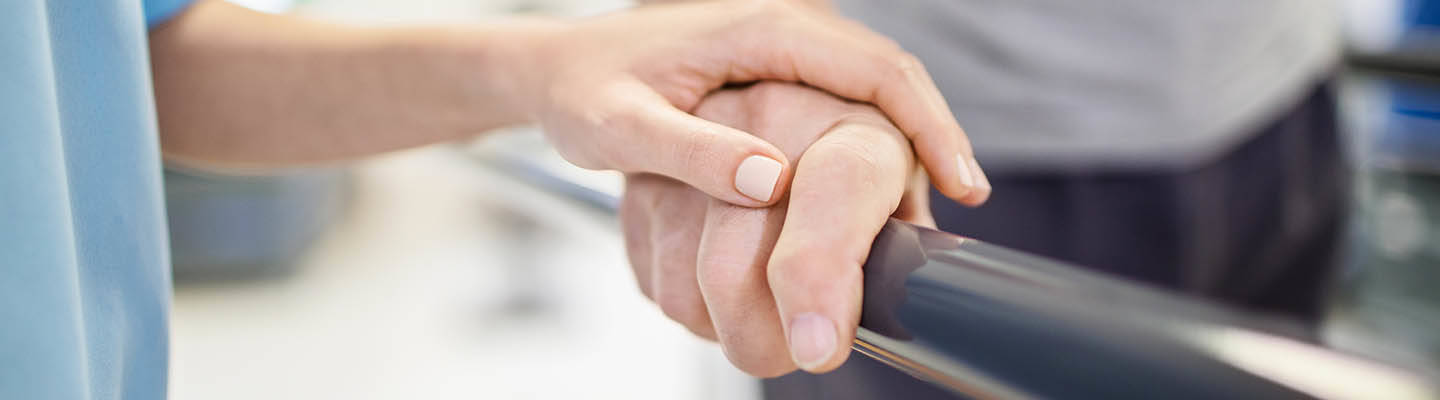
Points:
x=638 y=202
x=765 y=100
x=718 y=268
x=791 y=266
x=606 y=126
x=907 y=66
x=729 y=261
x=694 y=145
x=857 y=161
x=818 y=265
x=682 y=307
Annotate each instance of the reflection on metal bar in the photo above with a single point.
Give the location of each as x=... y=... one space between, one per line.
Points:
x=988 y=322
x=992 y=323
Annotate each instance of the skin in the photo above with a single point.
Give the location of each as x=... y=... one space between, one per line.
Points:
x=744 y=277
x=240 y=89
x=739 y=275
x=634 y=91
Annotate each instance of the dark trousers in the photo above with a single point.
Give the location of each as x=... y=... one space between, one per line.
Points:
x=1258 y=228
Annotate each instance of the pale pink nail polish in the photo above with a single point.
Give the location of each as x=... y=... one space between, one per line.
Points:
x=756 y=177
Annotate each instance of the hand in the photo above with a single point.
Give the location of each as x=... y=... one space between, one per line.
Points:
x=613 y=92
x=778 y=287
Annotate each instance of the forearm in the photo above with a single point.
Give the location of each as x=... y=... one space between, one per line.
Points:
x=236 y=88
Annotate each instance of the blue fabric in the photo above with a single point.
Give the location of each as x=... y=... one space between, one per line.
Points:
x=157 y=11
x=84 y=257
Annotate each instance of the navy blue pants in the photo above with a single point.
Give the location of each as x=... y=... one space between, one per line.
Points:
x=1258 y=228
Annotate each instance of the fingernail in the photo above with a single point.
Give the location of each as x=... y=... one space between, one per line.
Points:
x=812 y=340
x=756 y=177
x=981 y=182
x=967 y=178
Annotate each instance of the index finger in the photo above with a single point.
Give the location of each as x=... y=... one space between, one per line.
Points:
x=861 y=65
x=846 y=185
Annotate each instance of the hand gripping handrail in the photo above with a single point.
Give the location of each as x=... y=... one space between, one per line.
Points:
x=988 y=322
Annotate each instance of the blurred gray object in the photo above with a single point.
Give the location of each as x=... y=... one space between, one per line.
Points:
x=246 y=227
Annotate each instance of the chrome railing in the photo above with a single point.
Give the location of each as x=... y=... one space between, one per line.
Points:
x=988 y=322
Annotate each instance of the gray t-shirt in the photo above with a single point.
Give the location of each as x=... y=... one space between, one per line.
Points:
x=1112 y=84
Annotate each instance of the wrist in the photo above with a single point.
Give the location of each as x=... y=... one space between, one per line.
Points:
x=517 y=66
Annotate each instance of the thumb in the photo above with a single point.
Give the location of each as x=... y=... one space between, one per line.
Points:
x=725 y=163
x=846 y=185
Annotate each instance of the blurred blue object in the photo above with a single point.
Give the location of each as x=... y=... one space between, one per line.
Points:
x=1410 y=136
x=1423 y=14
x=232 y=227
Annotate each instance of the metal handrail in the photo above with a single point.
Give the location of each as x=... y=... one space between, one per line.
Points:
x=990 y=322
x=993 y=323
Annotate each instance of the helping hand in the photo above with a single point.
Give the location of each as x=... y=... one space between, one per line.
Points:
x=778 y=287
x=615 y=92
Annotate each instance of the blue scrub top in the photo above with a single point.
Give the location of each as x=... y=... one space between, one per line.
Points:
x=84 y=259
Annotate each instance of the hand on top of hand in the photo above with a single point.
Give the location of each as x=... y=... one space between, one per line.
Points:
x=616 y=92
x=778 y=287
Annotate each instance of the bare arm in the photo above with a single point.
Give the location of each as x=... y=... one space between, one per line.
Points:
x=239 y=88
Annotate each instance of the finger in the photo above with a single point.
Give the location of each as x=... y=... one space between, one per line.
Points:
x=909 y=98
x=676 y=240
x=915 y=203
x=847 y=184
x=734 y=248
x=635 y=205
x=982 y=187
x=725 y=163
x=885 y=75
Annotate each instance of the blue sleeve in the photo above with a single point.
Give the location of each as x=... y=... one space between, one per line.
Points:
x=159 y=11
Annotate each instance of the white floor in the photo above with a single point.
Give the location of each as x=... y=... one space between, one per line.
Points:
x=445 y=281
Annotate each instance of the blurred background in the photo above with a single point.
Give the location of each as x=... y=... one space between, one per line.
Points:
x=489 y=269
x=420 y=274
